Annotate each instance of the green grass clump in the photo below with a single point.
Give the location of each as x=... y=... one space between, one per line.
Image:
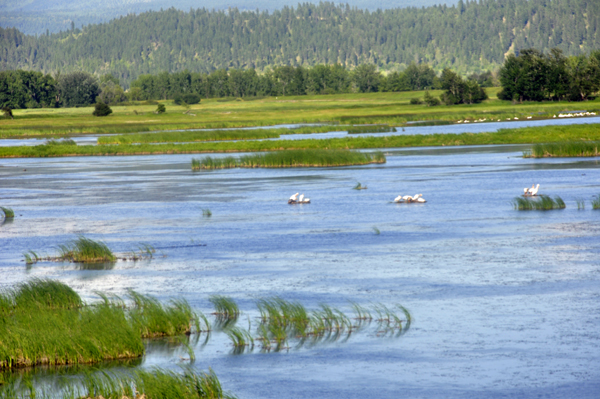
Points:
x=53 y=142
x=45 y=322
x=596 y=202
x=566 y=149
x=370 y=129
x=225 y=307
x=206 y=213
x=542 y=203
x=291 y=159
x=150 y=384
x=152 y=319
x=8 y=212
x=359 y=187
x=580 y=204
x=84 y=249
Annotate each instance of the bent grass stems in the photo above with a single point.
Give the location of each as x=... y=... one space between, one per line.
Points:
x=84 y=249
x=580 y=204
x=7 y=212
x=359 y=187
x=596 y=202
x=542 y=203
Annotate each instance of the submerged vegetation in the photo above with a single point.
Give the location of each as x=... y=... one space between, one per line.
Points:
x=370 y=129
x=150 y=384
x=47 y=323
x=291 y=159
x=566 y=149
x=542 y=203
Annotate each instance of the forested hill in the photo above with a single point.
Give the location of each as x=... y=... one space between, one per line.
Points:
x=469 y=37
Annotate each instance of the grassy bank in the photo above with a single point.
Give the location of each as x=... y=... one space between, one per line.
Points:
x=352 y=108
x=148 y=384
x=531 y=135
x=566 y=149
x=291 y=159
x=47 y=323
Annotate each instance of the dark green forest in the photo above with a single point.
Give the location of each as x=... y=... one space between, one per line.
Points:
x=469 y=37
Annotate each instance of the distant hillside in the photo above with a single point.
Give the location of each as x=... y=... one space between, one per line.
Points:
x=468 y=37
x=37 y=16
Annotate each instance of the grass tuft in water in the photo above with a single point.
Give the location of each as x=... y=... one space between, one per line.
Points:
x=359 y=187
x=8 y=212
x=152 y=319
x=580 y=204
x=291 y=159
x=206 y=213
x=542 y=203
x=150 y=384
x=225 y=307
x=566 y=149
x=596 y=202
x=376 y=230
x=84 y=249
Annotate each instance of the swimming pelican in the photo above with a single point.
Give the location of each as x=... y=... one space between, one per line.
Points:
x=301 y=198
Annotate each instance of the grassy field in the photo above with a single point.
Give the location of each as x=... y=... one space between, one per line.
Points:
x=534 y=135
x=355 y=108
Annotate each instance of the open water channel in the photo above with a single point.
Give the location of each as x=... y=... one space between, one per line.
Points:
x=505 y=303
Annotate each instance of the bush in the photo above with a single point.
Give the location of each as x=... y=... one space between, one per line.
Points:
x=7 y=112
x=101 y=109
x=431 y=100
x=416 y=101
x=160 y=109
x=188 y=98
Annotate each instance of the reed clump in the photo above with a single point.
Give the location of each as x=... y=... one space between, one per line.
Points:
x=83 y=249
x=359 y=187
x=137 y=384
x=542 y=203
x=566 y=149
x=596 y=202
x=7 y=212
x=225 y=307
x=45 y=322
x=291 y=159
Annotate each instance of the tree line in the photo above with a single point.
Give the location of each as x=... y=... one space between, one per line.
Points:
x=470 y=36
x=535 y=76
x=26 y=89
x=530 y=75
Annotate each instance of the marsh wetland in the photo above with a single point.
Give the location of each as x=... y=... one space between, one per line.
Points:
x=501 y=302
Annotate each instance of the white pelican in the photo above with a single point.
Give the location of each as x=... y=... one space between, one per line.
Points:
x=407 y=198
x=421 y=200
x=533 y=191
x=305 y=200
x=294 y=197
x=301 y=198
x=526 y=191
x=398 y=199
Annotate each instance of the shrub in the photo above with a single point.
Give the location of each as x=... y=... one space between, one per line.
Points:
x=7 y=112
x=160 y=109
x=416 y=101
x=430 y=100
x=101 y=109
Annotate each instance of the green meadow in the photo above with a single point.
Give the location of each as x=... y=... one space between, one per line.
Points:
x=351 y=108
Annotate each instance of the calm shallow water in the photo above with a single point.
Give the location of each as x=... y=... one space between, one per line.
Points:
x=481 y=127
x=505 y=303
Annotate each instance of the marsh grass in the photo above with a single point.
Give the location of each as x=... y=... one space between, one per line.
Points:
x=239 y=337
x=225 y=307
x=529 y=135
x=136 y=384
x=7 y=212
x=541 y=203
x=370 y=129
x=359 y=187
x=376 y=230
x=206 y=213
x=580 y=204
x=152 y=319
x=83 y=249
x=45 y=322
x=54 y=142
x=291 y=159
x=596 y=202
x=566 y=149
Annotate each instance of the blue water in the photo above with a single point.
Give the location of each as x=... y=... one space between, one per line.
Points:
x=505 y=303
